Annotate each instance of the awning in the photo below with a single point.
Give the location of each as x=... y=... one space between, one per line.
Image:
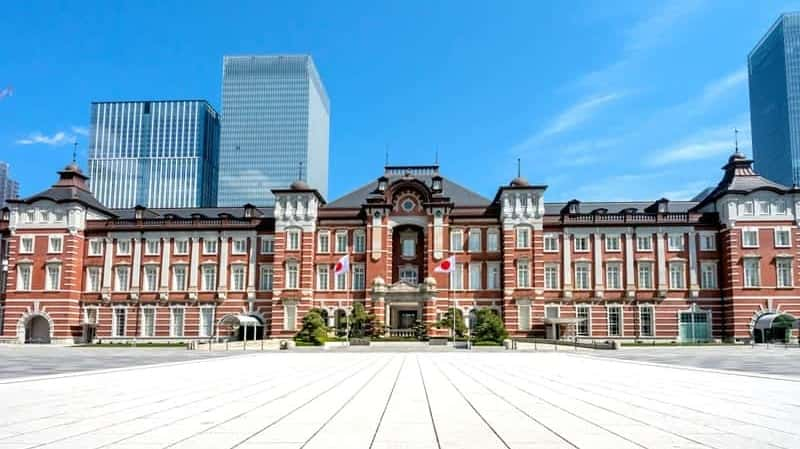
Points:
x=241 y=320
x=775 y=319
x=563 y=320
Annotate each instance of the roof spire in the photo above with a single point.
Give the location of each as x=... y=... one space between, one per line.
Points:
x=386 y=156
x=436 y=157
x=736 y=140
x=300 y=170
x=75 y=152
x=519 y=167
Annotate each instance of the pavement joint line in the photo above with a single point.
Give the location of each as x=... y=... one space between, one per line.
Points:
x=303 y=405
x=650 y=398
x=350 y=399
x=569 y=412
x=515 y=406
x=428 y=401
x=16 y=380
x=644 y=422
x=131 y=419
x=342 y=365
x=690 y=368
x=472 y=406
x=388 y=400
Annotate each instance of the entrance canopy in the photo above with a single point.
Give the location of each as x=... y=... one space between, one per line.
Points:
x=776 y=319
x=241 y=320
x=563 y=320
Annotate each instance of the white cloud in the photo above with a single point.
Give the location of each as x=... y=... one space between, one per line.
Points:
x=80 y=130
x=718 y=88
x=59 y=138
x=705 y=144
x=687 y=192
x=568 y=119
x=657 y=27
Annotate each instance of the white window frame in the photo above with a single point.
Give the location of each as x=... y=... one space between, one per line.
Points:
x=618 y=282
x=746 y=208
x=359 y=281
x=123 y=247
x=652 y=309
x=267 y=244
x=672 y=284
x=579 y=266
x=266 y=277
x=52 y=246
x=293 y=241
x=457 y=277
x=204 y=284
x=613 y=243
x=145 y=271
x=493 y=283
x=639 y=266
x=778 y=279
x=239 y=246
x=117 y=284
x=238 y=276
x=92 y=251
x=287 y=325
x=324 y=242
x=708 y=241
x=206 y=325
x=27 y=238
x=473 y=238
x=761 y=211
x=584 y=247
x=475 y=279
x=747 y=280
x=780 y=207
x=644 y=238
x=99 y=278
x=750 y=232
x=48 y=282
x=523 y=242
x=709 y=275
x=456 y=240
x=552 y=280
x=172 y=328
x=341 y=242
x=181 y=247
x=783 y=230
x=588 y=321
x=673 y=244
x=620 y=324
x=524 y=310
x=492 y=241
x=210 y=247
x=551 y=242
x=115 y=321
x=24 y=286
x=148 y=250
x=523 y=266
x=323 y=270
x=292 y=282
x=143 y=325
x=184 y=268
x=359 y=242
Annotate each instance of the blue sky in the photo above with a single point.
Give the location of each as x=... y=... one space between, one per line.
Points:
x=601 y=100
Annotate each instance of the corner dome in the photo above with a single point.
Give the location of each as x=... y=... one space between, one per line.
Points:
x=519 y=182
x=299 y=185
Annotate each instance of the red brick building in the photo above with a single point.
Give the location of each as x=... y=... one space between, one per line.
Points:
x=722 y=268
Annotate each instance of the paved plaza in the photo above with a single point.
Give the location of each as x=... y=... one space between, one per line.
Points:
x=401 y=400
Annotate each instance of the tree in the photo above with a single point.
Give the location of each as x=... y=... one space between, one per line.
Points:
x=489 y=327
x=447 y=322
x=314 y=329
x=362 y=324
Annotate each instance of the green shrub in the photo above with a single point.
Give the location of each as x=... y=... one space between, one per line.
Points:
x=447 y=322
x=363 y=324
x=489 y=327
x=313 y=330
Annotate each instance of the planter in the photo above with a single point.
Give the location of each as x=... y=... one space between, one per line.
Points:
x=359 y=342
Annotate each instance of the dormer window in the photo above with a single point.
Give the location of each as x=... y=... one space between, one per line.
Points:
x=763 y=208
x=44 y=216
x=30 y=216
x=436 y=185
x=382 y=184
x=746 y=208
x=780 y=207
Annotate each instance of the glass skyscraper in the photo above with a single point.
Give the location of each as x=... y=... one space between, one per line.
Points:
x=9 y=189
x=774 y=70
x=275 y=117
x=158 y=154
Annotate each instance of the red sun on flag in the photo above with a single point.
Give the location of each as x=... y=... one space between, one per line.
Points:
x=445 y=265
x=338 y=266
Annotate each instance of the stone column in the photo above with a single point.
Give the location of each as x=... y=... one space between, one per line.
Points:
x=566 y=264
x=630 y=284
x=693 y=287
x=598 y=264
x=661 y=257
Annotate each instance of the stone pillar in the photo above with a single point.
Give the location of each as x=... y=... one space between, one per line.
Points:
x=566 y=264
x=630 y=277
x=694 y=289
x=661 y=257
x=598 y=264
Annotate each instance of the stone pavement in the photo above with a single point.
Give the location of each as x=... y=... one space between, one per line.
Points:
x=401 y=400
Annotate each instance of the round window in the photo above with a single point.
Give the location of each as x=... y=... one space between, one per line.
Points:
x=407 y=205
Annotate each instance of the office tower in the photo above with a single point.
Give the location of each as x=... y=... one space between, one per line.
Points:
x=774 y=69
x=157 y=154
x=9 y=189
x=275 y=118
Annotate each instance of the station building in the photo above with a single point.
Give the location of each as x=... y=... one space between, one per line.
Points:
x=724 y=268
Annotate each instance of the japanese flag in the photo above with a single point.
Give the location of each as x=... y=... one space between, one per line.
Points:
x=343 y=265
x=446 y=266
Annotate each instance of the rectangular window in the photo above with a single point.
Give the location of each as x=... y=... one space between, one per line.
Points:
x=408 y=247
x=53 y=281
x=644 y=243
x=55 y=244
x=292 y=275
x=293 y=240
x=646 y=320
x=493 y=275
x=237 y=277
x=323 y=273
x=582 y=276
x=359 y=277
x=341 y=242
x=95 y=247
x=456 y=240
x=122 y=278
x=475 y=276
x=409 y=274
x=677 y=278
x=752 y=275
x=551 y=276
x=289 y=317
x=123 y=247
x=209 y=246
x=209 y=278
x=150 y=278
x=359 y=242
x=780 y=207
x=783 y=267
x=551 y=243
x=340 y=281
x=152 y=247
x=323 y=242
x=583 y=312
x=176 y=321
x=474 y=241
x=783 y=238
x=457 y=277
x=181 y=247
x=148 y=322
x=552 y=312
x=266 y=277
x=120 y=315
x=523 y=274
x=613 y=277
x=612 y=243
x=206 y=321
x=26 y=245
x=581 y=243
x=746 y=208
x=30 y=216
x=614 y=321
x=239 y=246
x=708 y=242
x=645 y=275
x=267 y=244
x=675 y=242
x=492 y=241
x=24 y=276
x=524 y=317
x=750 y=238
x=708 y=275
x=93 y=279
x=523 y=237
x=179 y=277
x=763 y=208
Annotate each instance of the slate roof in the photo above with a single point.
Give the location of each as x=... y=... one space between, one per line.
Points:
x=740 y=177
x=71 y=186
x=187 y=212
x=587 y=207
x=458 y=194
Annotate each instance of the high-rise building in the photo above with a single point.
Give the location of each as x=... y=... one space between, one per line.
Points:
x=774 y=69
x=275 y=120
x=9 y=189
x=154 y=153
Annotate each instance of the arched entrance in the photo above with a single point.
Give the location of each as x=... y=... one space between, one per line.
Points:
x=241 y=327
x=37 y=330
x=774 y=327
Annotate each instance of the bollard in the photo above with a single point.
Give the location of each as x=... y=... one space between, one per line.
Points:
x=262 y=343
x=226 y=344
